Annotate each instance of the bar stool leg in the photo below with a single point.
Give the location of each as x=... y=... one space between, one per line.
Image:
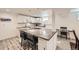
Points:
x=28 y=45
x=21 y=42
x=78 y=45
x=34 y=47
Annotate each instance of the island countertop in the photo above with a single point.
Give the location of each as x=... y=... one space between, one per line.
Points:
x=46 y=34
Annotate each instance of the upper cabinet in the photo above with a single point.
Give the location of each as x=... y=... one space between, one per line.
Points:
x=25 y=19
x=22 y=19
x=45 y=17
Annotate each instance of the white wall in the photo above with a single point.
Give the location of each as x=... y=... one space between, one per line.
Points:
x=63 y=17
x=8 y=28
x=50 y=23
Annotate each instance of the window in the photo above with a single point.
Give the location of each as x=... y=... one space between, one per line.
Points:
x=45 y=20
x=75 y=12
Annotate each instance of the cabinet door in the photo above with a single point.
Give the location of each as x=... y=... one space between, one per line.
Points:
x=52 y=43
x=47 y=45
x=42 y=44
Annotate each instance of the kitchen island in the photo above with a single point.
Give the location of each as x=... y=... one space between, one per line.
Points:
x=47 y=38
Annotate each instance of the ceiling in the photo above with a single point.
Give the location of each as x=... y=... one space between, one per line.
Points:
x=26 y=11
x=34 y=11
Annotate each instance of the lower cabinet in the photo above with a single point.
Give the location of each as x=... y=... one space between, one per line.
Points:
x=47 y=44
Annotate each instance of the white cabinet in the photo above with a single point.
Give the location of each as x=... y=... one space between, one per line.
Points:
x=47 y=44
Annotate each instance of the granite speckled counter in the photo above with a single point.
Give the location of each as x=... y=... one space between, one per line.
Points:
x=46 y=38
x=42 y=33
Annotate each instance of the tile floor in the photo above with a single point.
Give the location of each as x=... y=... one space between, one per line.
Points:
x=14 y=44
x=10 y=44
x=64 y=44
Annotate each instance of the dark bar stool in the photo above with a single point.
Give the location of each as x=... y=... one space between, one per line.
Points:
x=32 y=41
x=24 y=41
x=36 y=42
x=22 y=37
x=28 y=40
x=63 y=31
x=77 y=40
